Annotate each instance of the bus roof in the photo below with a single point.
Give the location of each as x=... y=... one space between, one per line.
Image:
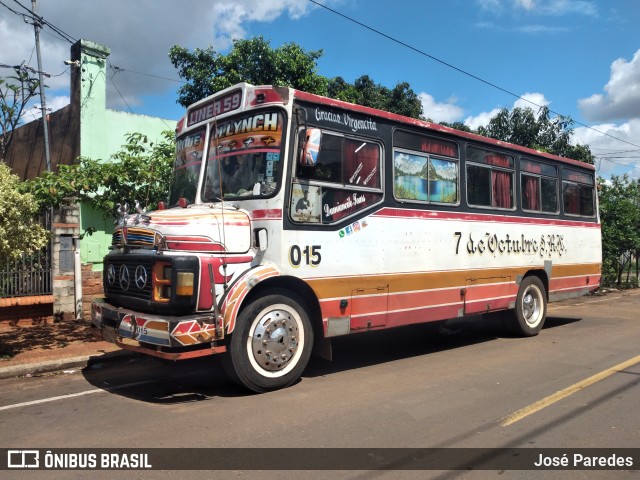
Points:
x=283 y=95
x=310 y=97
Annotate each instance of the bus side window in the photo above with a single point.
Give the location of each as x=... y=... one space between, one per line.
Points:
x=578 y=193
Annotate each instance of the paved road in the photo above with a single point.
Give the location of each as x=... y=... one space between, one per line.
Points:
x=573 y=386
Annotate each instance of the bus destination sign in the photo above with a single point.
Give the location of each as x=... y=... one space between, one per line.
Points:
x=219 y=105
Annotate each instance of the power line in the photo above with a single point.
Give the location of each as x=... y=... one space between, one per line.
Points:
x=117 y=70
x=460 y=70
x=41 y=21
x=116 y=86
x=120 y=69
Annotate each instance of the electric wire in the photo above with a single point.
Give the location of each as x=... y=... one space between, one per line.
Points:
x=65 y=36
x=460 y=70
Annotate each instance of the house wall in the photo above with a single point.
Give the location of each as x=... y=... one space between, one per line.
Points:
x=84 y=128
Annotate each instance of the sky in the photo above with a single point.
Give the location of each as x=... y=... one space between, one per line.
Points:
x=466 y=59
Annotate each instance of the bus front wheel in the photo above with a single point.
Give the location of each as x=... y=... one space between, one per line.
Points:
x=271 y=343
x=531 y=307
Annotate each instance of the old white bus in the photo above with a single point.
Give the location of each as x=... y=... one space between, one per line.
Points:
x=295 y=218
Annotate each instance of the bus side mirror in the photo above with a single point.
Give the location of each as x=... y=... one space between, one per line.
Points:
x=262 y=239
x=311 y=147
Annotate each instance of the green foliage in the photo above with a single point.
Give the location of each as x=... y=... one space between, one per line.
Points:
x=20 y=233
x=140 y=171
x=15 y=92
x=620 y=216
x=364 y=91
x=540 y=132
x=458 y=126
x=256 y=62
x=252 y=61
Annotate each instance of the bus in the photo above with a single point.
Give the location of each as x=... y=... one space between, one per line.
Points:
x=295 y=218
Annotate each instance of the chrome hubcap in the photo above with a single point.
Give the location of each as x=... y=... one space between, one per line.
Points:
x=531 y=306
x=275 y=340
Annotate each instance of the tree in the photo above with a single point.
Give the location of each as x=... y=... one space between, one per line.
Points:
x=364 y=91
x=541 y=132
x=15 y=93
x=140 y=171
x=256 y=62
x=252 y=61
x=20 y=233
x=458 y=126
x=620 y=222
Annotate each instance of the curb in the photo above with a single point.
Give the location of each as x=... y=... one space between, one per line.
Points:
x=48 y=366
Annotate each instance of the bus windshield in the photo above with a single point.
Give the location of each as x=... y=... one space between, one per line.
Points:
x=186 y=169
x=244 y=157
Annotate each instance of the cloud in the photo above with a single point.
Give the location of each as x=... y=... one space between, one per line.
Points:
x=531 y=100
x=553 y=8
x=526 y=100
x=481 y=119
x=440 y=112
x=139 y=34
x=538 y=29
x=32 y=111
x=613 y=156
x=622 y=97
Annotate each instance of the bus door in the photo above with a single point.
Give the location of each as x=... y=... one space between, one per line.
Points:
x=483 y=295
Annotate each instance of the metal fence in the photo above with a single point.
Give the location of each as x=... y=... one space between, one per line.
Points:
x=30 y=274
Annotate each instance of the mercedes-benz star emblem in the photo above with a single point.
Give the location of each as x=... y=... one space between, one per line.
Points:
x=111 y=275
x=141 y=277
x=124 y=278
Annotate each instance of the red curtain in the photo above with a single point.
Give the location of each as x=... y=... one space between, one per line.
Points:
x=530 y=193
x=498 y=160
x=501 y=186
x=439 y=148
x=571 y=200
x=365 y=158
x=531 y=167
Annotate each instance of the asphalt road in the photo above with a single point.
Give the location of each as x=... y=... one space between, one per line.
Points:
x=574 y=386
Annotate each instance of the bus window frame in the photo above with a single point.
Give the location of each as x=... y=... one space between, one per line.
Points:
x=491 y=168
x=580 y=186
x=296 y=179
x=541 y=177
x=428 y=157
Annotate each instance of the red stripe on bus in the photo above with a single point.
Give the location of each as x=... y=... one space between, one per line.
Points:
x=475 y=217
x=267 y=214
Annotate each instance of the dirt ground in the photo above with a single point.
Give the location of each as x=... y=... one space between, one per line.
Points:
x=15 y=339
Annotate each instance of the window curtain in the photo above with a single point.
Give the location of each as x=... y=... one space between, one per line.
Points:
x=530 y=193
x=500 y=181
x=571 y=200
x=501 y=188
x=361 y=163
x=439 y=148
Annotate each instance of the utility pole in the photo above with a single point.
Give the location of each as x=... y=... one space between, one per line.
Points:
x=43 y=101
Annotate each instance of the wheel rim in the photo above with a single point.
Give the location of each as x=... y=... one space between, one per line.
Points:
x=532 y=306
x=276 y=340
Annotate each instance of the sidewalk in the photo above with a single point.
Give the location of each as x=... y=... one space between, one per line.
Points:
x=36 y=349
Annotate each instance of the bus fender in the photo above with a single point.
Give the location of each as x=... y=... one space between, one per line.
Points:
x=240 y=290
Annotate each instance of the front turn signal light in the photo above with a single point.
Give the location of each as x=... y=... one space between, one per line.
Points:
x=185 y=284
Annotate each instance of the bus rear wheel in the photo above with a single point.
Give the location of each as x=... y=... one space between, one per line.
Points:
x=271 y=343
x=531 y=308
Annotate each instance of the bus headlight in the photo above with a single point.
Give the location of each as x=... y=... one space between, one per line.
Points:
x=184 y=285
